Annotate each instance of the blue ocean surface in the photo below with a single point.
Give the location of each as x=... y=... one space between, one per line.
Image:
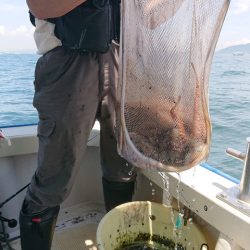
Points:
x=229 y=102
x=229 y=109
x=16 y=89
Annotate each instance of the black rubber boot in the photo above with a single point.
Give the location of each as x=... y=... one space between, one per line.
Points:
x=116 y=193
x=37 y=229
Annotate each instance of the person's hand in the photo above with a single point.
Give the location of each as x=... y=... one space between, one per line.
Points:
x=52 y=8
x=156 y=12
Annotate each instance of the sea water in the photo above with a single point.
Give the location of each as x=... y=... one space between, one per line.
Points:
x=229 y=102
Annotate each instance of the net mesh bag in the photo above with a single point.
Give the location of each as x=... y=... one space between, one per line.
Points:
x=162 y=117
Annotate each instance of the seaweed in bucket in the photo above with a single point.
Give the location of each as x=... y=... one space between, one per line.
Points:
x=145 y=242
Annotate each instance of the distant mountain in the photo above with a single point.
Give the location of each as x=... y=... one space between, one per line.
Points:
x=242 y=48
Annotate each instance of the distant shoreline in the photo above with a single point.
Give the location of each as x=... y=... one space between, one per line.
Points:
x=240 y=48
x=19 y=52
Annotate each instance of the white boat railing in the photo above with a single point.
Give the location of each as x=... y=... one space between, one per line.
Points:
x=239 y=196
x=245 y=179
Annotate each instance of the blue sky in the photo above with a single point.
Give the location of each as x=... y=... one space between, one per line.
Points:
x=16 y=33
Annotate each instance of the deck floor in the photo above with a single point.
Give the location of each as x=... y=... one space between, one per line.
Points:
x=76 y=228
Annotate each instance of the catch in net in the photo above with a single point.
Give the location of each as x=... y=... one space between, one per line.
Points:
x=162 y=116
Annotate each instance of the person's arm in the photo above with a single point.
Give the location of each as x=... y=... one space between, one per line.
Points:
x=43 y=9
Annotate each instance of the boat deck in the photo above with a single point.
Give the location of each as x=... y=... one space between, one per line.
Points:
x=76 y=228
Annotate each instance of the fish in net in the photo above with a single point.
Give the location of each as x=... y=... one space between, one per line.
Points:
x=162 y=112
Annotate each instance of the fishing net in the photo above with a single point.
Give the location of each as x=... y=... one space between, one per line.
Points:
x=162 y=118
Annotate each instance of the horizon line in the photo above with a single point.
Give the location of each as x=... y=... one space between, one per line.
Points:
x=34 y=51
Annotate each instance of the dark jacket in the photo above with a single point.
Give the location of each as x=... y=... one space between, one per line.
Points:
x=89 y=27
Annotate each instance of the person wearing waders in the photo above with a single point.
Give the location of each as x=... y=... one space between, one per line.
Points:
x=78 y=41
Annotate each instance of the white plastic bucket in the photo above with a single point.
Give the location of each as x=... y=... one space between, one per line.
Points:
x=125 y=222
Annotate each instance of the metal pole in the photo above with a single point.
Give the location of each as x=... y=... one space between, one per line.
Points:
x=245 y=178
